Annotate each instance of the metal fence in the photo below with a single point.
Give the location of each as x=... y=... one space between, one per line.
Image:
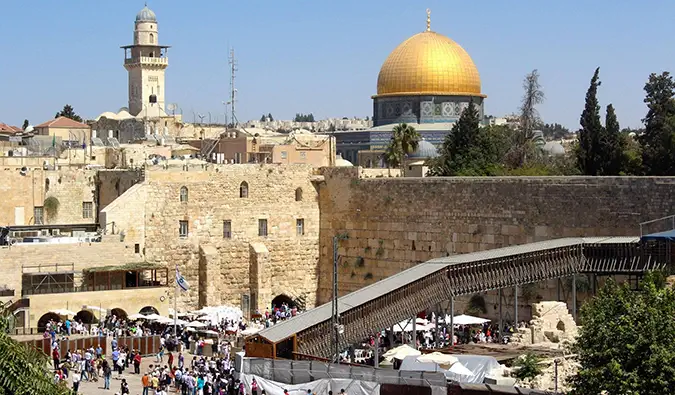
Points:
x=65 y=344
x=147 y=345
x=298 y=372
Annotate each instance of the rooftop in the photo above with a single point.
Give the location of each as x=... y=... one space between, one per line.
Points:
x=63 y=122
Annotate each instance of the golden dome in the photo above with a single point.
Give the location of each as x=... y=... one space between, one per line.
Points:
x=428 y=63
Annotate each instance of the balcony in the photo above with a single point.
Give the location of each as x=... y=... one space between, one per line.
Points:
x=146 y=60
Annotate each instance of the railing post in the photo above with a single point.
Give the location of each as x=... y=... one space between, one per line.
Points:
x=574 y=297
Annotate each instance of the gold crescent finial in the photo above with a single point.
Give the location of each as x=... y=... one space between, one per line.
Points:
x=428 y=20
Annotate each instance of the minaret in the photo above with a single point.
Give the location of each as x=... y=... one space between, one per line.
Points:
x=146 y=61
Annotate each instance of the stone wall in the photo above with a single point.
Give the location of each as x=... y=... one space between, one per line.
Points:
x=23 y=191
x=20 y=258
x=394 y=223
x=217 y=268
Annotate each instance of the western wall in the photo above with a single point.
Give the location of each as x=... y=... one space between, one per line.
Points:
x=394 y=223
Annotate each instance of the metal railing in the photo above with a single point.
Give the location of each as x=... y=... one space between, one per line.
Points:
x=84 y=288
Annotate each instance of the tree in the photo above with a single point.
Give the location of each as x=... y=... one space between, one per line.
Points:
x=304 y=117
x=529 y=116
x=528 y=367
x=270 y=117
x=68 y=112
x=622 y=346
x=588 y=153
x=23 y=367
x=658 y=140
x=262 y=118
x=554 y=131
x=612 y=146
x=25 y=124
x=468 y=149
x=404 y=141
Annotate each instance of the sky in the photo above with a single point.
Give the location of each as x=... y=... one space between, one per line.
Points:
x=300 y=56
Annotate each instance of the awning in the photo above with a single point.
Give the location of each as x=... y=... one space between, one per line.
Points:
x=668 y=235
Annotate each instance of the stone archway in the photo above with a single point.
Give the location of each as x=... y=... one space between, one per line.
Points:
x=86 y=317
x=44 y=320
x=148 y=310
x=281 y=299
x=119 y=313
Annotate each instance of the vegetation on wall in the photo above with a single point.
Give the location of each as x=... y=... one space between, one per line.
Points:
x=476 y=305
x=51 y=206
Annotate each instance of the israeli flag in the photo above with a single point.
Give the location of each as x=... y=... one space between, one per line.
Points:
x=180 y=280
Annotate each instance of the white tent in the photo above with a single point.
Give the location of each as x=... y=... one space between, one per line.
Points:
x=443 y=360
x=466 y=320
x=400 y=352
x=459 y=369
x=136 y=316
x=197 y=324
x=63 y=312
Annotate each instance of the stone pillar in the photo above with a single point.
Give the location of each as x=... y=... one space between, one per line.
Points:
x=259 y=277
x=209 y=276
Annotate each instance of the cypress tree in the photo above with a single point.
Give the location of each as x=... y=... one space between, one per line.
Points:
x=589 y=155
x=612 y=147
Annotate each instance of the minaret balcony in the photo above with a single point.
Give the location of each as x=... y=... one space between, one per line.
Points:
x=147 y=60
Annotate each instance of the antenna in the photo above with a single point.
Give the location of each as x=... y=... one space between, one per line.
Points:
x=233 y=91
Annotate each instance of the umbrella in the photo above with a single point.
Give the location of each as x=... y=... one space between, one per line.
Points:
x=197 y=324
x=153 y=317
x=63 y=312
x=165 y=320
x=438 y=358
x=95 y=308
x=401 y=352
x=458 y=368
x=467 y=320
x=204 y=318
x=210 y=332
x=190 y=329
x=136 y=317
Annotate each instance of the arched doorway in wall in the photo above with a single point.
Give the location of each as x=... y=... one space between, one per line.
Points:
x=119 y=313
x=86 y=317
x=44 y=320
x=148 y=310
x=281 y=299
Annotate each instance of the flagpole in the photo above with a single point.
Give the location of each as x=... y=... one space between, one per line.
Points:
x=175 y=300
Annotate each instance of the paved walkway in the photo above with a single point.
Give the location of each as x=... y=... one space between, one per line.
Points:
x=134 y=380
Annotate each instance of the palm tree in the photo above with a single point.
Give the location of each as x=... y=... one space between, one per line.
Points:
x=404 y=141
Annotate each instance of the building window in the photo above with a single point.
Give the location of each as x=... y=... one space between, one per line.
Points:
x=298 y=195
x=152 y=38
x=243 y=190
x=87 y=210
x=38 y=215
x=227 y=229
x=284 y=154
x=183 y=229
x=303 y=155
x=300 y=226
x=183 y=194
x=262 y=227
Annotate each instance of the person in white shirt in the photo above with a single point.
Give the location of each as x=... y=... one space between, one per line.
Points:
x=76 y=381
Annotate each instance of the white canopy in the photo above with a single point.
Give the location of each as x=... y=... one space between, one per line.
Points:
x=95 y=308
x=466 y=320
x=136 y=317
x=444 y=360
x=63 y=312
x=209 y=332
x=458 y=368
x=400 y=352
x=197 y=324
x=153 y=317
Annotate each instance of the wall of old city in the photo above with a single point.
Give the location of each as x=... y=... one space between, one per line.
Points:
x=23 y=191
x=394 y=223
x=219 y=269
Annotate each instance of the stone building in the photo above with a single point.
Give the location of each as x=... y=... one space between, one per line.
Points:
x=66 y=130
x=426 y=82
x=241 y=234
